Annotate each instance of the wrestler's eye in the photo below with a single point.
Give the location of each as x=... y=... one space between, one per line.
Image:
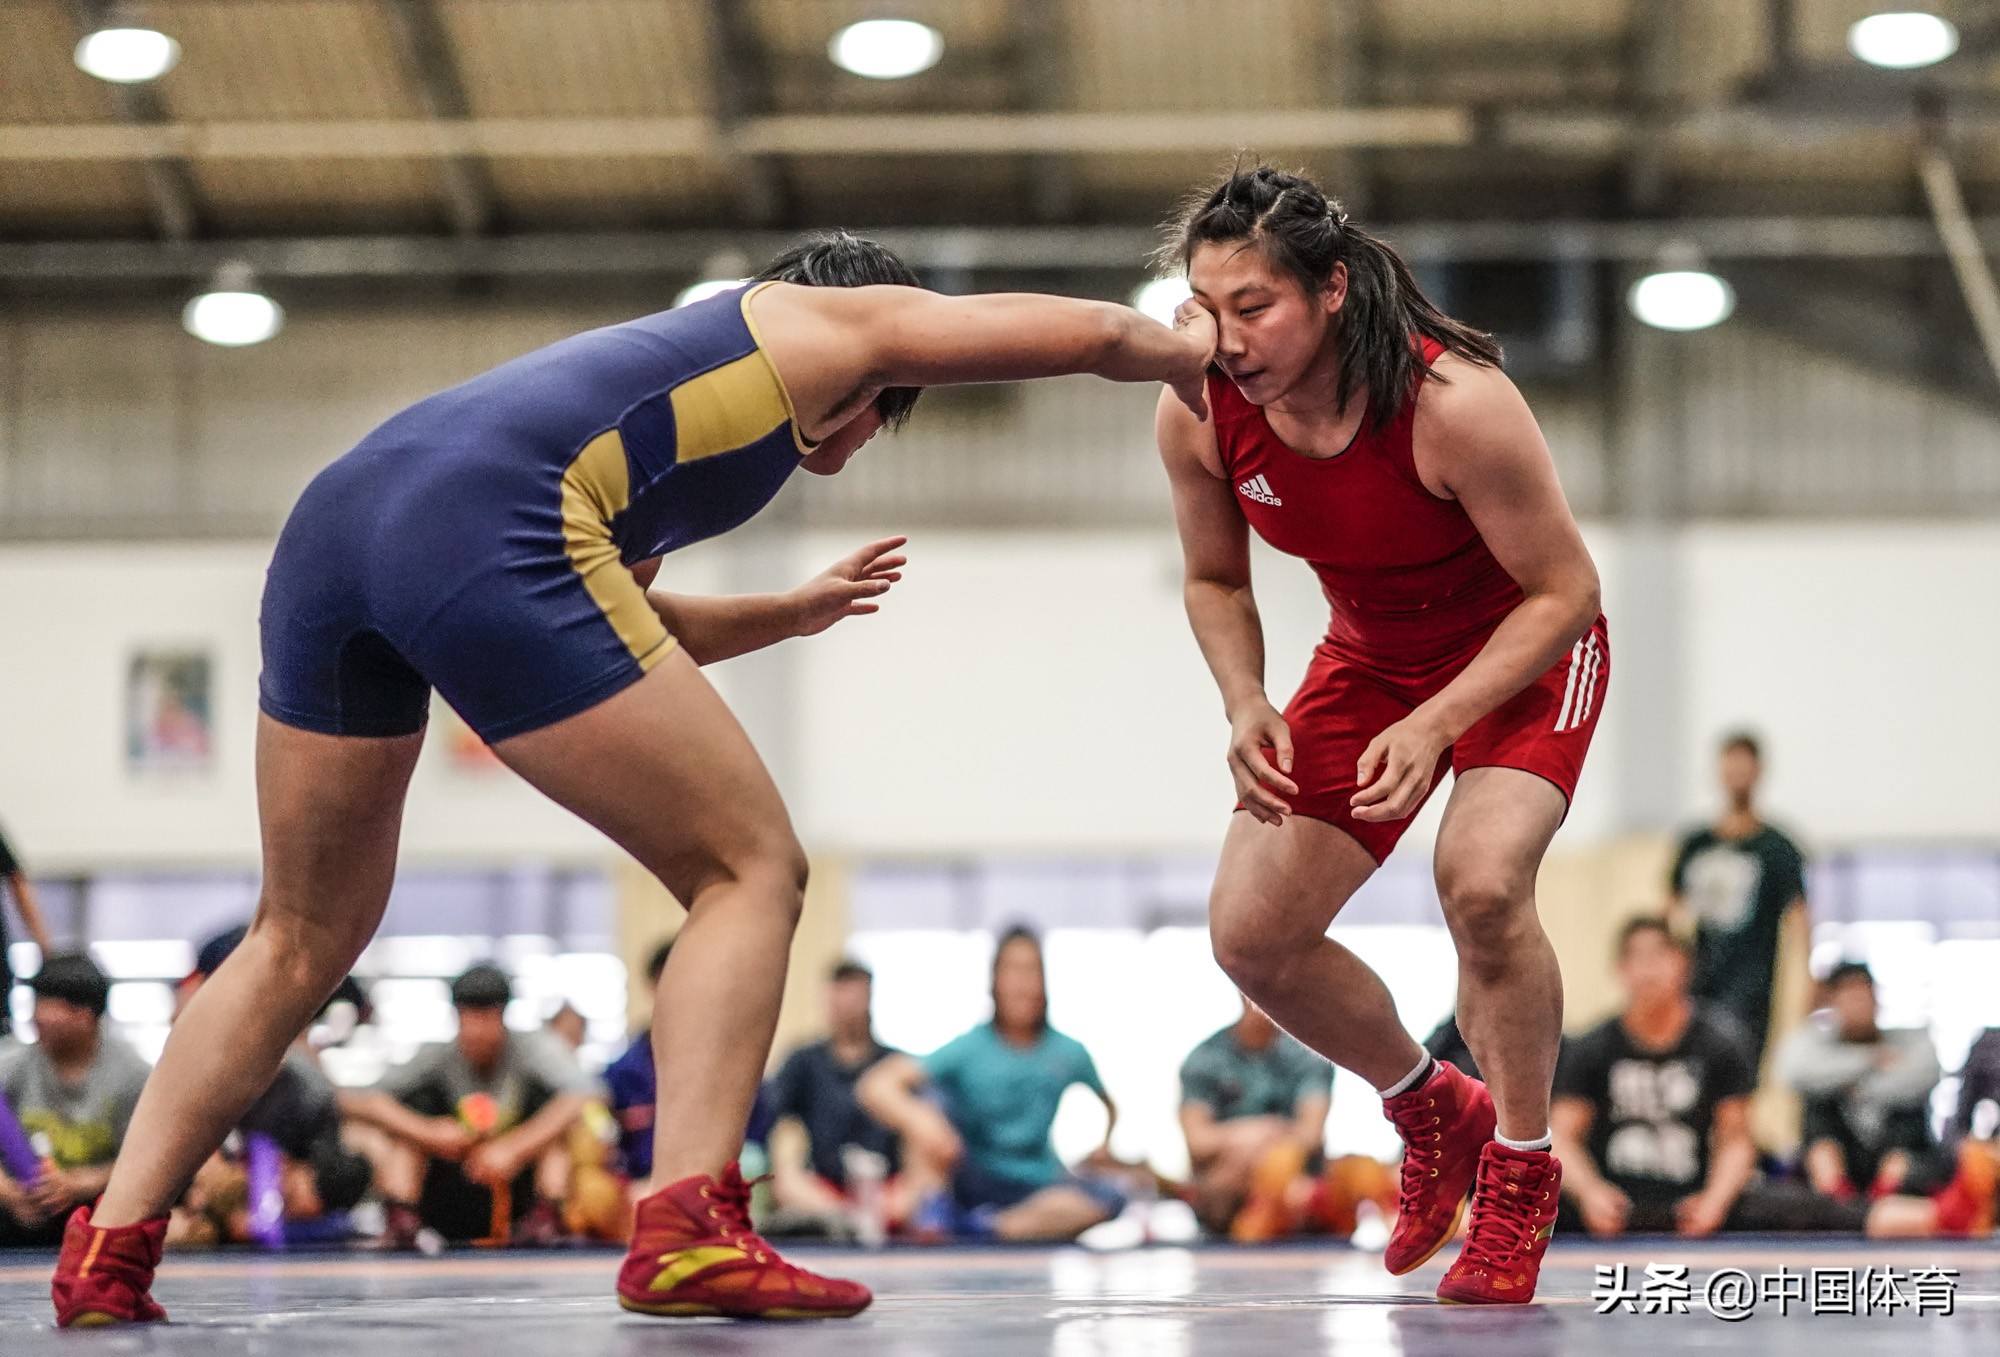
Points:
x=1250 y=311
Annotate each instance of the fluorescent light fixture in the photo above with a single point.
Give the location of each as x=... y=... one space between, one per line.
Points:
x=886 y=49
x=1902 y=41
x=706 y=288
x=127 y=56
x=1160 y=297
x=1682 y=299
x=232 y=312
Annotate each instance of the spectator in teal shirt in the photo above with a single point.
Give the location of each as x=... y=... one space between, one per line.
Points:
x=975 y=1116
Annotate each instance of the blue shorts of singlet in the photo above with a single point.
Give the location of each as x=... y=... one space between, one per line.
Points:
x=387 y=581
x=468 y=544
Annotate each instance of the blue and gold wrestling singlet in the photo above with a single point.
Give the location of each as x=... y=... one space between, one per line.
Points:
x=478 y=541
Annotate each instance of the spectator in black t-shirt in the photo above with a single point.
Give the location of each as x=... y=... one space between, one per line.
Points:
x=1740 y=882
x=1652 y=1125
x=815 y=1085
x=14 y=881
x=319 y=1175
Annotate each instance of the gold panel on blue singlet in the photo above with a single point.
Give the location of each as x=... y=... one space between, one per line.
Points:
x=728 y=407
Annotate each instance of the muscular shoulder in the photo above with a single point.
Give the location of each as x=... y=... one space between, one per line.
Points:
x=1187 y=444
x=1461 y=397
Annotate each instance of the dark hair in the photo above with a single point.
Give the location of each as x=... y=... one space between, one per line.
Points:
x=218 y=949
x=851 y=969
x=657 y=963
x=1020 y=933
x=1297 y=227
x=837 y=259
x=1850 y=970
x=73 y=978
x=1648 y=923
x=482 y=987
x=1745 y=741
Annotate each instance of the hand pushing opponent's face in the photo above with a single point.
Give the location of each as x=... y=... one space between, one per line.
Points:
x=832 y=452
x=1269 y=328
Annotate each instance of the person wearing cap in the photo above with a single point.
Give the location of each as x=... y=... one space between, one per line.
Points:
x=73 y=1092
x=299 y=1113
x=483 y=1113
x=14 y=881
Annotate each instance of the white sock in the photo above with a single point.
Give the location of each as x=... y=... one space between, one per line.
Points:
x=1413 y=1078
x=1544 y=1142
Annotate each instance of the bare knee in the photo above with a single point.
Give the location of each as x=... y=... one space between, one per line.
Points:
x=1490 y=915
x=765 y=871
x=1256 y=957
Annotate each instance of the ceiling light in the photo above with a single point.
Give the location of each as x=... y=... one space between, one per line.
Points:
x=127 y=56
x=232 y=312
x=1161 y=297
x=1682 y=299
x=886 y=49
x=1902 y=41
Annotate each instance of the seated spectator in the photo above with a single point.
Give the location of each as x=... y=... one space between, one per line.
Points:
x=476 y=1126
x=633 y=1088
x=1253 y=1109
x=1978 y=1113
x=977 y=1151
x=1652 y=1124
x=319 y=1176
x=1867 y=1093
x=73 y=1092
x=815 y=1086
x=567 y=1026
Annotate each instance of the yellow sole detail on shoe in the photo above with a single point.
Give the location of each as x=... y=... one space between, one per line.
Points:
x=93 y=1319
x=1456 y=1217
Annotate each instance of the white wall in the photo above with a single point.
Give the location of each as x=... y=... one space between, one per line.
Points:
x=1040 y=692
x=1868 y=655
x=71 y=617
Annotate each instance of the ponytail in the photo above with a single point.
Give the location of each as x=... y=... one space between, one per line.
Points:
x=1306 y=233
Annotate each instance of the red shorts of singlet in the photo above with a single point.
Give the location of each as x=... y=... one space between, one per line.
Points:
x=1544 y=729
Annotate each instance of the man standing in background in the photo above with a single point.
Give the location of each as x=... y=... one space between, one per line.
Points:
x=14 y=881
x=1740 y=882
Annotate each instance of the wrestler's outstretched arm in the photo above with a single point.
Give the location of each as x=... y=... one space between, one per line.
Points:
x=838 y=348
x=712 y=628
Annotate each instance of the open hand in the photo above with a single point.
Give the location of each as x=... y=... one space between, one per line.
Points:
x=1260 y=759
x=848 y=587
x=1605 y=1210
x=1395 y=771
x=1197 y=322
x=1701 y=1214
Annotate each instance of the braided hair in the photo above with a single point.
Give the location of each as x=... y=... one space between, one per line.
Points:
x=1297 y=227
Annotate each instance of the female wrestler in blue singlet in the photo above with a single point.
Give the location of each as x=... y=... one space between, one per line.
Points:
x=495 y=542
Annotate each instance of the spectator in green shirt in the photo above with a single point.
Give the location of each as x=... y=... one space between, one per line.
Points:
x=1253 y=1108
x=975 y=1115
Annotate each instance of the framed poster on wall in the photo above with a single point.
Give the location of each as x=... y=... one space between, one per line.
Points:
x=169 y=712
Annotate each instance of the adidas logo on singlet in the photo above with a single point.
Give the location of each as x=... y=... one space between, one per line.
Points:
x=1259 y=489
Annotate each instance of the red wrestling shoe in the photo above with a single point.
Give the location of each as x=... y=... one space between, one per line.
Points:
x=1444 y=1122
x=694 y=1253
x=105 y=1276
x=1967 y=1205
x=1513 y=1216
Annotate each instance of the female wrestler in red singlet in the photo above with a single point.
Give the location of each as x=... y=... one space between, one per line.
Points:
x=1355 y=425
